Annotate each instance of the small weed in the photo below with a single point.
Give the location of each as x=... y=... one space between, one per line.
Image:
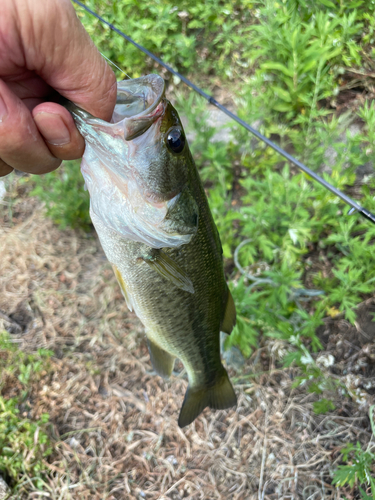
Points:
x=360 y=469
x=323 y=406
x=24 y=446
x=19 y=364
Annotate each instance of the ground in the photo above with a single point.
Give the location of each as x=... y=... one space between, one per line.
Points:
x=114 y=421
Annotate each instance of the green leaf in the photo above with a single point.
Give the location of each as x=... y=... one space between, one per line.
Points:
x=282 y=107
x=364 y=495
x=283 y=94
x=328 y=3
x=277 y=66
x=345 y=475
x=323 y=406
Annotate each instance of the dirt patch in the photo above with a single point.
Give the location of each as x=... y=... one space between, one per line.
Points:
x=352 y=347
x=114 y=422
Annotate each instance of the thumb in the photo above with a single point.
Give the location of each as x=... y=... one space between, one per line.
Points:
x=67 y=58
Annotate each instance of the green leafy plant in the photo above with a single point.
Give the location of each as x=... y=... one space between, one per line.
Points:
x=360 y=471
x=62 y=191
x=279 y=220
x=183 y=35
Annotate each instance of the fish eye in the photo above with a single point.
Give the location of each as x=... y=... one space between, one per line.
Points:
x=175 y=139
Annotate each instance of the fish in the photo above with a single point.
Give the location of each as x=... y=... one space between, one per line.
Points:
x=152 y=216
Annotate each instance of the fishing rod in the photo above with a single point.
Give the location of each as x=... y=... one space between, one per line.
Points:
x=353 y=204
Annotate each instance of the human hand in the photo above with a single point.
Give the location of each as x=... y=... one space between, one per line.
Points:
x=44 y=50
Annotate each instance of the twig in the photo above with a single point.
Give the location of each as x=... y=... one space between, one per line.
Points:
x=174 y=486
x=359 y=329
x=356 y=72
x=260 y=494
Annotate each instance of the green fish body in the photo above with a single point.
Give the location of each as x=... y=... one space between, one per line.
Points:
x=171 y=272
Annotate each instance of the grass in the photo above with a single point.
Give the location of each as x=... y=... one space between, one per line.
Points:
x=24 y=443
x=293 y=255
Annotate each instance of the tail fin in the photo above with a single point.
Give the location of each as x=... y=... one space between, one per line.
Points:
x=218 y=397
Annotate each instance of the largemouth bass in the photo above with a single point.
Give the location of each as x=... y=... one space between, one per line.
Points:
x=152 y=217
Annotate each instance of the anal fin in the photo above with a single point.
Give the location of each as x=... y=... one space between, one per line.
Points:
x=167 y=267
x=124 y=291
x=218 y=397
x=229 y=319
x=161 y=360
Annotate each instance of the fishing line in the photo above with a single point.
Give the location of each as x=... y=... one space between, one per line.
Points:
x=354 y=205
x=115 y=65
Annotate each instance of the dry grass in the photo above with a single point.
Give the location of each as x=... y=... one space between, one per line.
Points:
x=114 y=422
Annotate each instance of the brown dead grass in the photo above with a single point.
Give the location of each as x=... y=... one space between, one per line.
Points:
x=114 y=422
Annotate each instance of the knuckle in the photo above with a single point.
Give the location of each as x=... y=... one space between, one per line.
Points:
x=14 y=135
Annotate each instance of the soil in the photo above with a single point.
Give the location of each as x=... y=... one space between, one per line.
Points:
x=114 y=421
x=352 y=346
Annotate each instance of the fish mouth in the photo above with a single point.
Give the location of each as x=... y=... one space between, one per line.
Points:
x=139 y=104
x=138 y=97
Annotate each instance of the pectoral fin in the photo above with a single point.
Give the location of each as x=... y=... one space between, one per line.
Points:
x=218 y=397
x=161 y=360
x=229 y=319
x=166 y=267
x=122 y=284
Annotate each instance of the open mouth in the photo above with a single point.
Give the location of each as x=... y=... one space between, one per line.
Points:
x=139 y=96
x=139 y=104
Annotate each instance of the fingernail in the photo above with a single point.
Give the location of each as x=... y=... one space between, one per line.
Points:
x=3 y=110
x=52 y=128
